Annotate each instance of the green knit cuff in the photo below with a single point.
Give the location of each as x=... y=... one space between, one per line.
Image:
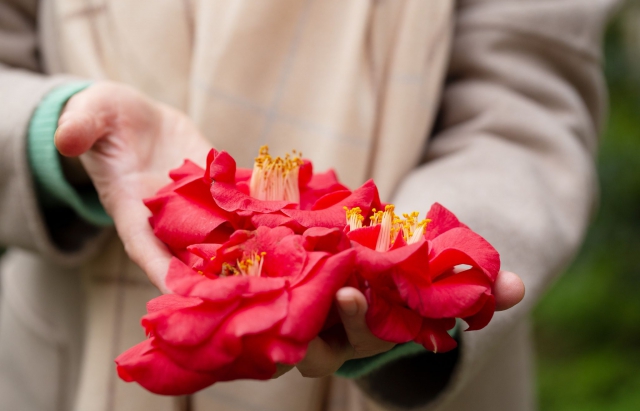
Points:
x=53 y=188
x=363 y=366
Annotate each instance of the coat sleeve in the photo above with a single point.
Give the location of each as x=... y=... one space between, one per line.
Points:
x=513 y=153
x=57 y=233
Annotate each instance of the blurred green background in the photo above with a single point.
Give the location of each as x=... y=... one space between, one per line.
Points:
x=588 y=325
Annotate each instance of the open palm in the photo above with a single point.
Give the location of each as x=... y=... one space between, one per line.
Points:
x=127 y=143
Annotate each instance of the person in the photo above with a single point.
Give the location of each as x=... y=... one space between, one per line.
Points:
x=490 y=107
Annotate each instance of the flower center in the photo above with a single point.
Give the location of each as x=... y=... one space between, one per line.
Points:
x=250 y=266
x=409 y=225
x=276 y=179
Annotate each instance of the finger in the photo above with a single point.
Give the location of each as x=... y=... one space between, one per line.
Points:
x=508 y=290
x=131 y=219
x=85 y=119
x=325 y=355
x=352 y=307
x=281 y=369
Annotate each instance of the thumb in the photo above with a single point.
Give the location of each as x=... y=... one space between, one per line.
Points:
x=83 y=122
x=352 y=307
x=508 y=290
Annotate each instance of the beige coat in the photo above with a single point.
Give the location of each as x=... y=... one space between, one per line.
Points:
x=355 y=85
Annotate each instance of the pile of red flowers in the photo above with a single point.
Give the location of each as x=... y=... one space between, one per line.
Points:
x=260 y=254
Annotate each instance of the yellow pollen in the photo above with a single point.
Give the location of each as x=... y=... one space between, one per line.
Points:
x=276 y=179
x=354 y=217
x=409 y=225
x=228 y=270
x=387 y=221
x=252 y=266
x=412 y=228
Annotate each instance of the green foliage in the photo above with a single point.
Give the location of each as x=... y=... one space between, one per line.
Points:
x=588 y=325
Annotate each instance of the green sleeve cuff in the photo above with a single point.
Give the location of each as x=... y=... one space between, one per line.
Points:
x=53 y=188
x=363 y=366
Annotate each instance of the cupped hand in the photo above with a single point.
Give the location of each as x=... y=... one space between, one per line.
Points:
x=325 y=355
x=127 y=143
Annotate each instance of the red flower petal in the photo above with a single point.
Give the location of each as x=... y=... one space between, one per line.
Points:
x=285 y=351
x=186 y=170
x=180 y=278
x=462 y=246
x=312 y=297
x=232 y=319
x=221 y=288
x=329 y=199
x=366 y=236
x=434 y=337
x=333 y=215
x=205 y=251
x=318 y=186
x=330 y=240
x=483 y=316
x=186 y=215
x=305 y=173
x=389 y=321
x=450 y=297
x=253 y=364
x=151 y=368
x=274 y=220
x=172 y=302
x=442 y=220
x=412 y=259
x=189 y=325
x=258 y=313
x=221 y=167
x=230 y=198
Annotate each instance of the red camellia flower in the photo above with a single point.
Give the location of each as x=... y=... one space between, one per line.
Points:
x=206 y=206
x=418 y=276
x=260 y=255
x=250 y=303
x=284 y=192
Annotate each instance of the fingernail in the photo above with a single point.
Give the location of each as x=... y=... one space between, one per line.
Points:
x=55 y=135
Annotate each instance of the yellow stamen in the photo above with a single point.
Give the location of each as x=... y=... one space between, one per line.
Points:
x=276 y=179
x=411 y=228
x=228 y=270
x=252 y=266
x=354 y=217
x=386 y=228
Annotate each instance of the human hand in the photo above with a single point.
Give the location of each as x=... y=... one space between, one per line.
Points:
x=127 y=144
x=325 y=355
